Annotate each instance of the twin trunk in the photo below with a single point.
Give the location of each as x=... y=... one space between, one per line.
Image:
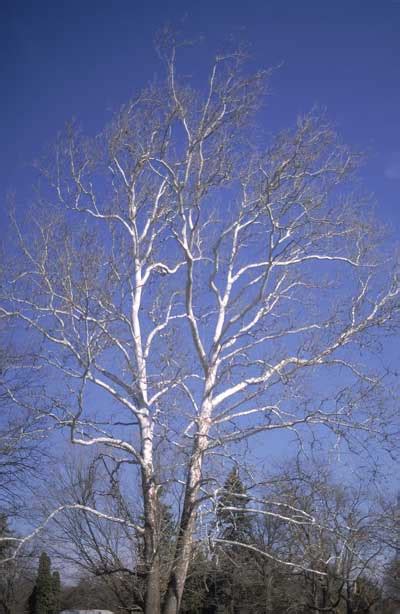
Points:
x=178 y=573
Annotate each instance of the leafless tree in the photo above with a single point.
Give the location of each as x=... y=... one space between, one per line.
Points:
x=189 y=287
x=15 y=585
x=21 y=428
x=16 y=577
x=80 y=540
x=338 y=539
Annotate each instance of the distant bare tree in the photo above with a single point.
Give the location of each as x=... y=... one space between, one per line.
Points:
x=110 y=552
x=338 y=539
x=21 y=429
x=189 y=287
x=16 y=577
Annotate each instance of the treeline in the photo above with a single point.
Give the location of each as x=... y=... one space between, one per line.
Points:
x=308 y=545
x=274 y=561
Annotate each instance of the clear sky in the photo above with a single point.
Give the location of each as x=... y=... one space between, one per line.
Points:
x=84 y=59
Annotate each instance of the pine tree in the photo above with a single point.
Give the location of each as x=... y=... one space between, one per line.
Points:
x=235 y=524
x=229 y=582
x=42 y=598
x=32 y=601
x=55 y=593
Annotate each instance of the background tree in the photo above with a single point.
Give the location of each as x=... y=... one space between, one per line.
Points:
x=89 y=593
x=16 y=573
x=108 y=551
x=21 y=430
x=229 y=579
x=45 y=594
x=342 y=544
x=191 y=287
x=22 y=456
x=233 y=521
x=55 y=593
x=392 y=580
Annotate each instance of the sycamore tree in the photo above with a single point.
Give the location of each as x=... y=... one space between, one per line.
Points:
x=189 y=285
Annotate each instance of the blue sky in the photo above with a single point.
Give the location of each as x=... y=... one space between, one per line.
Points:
x=84 y=59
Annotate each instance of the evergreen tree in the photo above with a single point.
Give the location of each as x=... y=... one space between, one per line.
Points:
x=235 y=524
x=229 y=583
x=32 y=601
x=55 y=593
x=42 y=599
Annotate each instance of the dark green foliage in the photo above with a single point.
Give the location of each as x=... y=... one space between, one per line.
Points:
x=45 y=596
x=228 y=582
x=235 y=524
x=55 y=593
x=32 y=601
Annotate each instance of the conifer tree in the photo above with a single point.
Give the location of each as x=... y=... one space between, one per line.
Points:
x=55 y=593
x=229 y=584
x=32 y=601
x=41 y=600
x=235 y=523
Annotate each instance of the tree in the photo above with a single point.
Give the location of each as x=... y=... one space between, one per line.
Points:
x=233 y=520
x=89 y=593
x=44 y=598
x=329 y=530
x=7 y=577
x=233 y=525
x=55 y=593
x=20 y=428
x=108 y=551
x=191 y=287
x=15 y=573
x=392 y=580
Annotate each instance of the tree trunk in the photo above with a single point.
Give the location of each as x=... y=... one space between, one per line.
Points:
x=152 y=600
x=178 y=574
x=152 y=603
x=180 y=566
